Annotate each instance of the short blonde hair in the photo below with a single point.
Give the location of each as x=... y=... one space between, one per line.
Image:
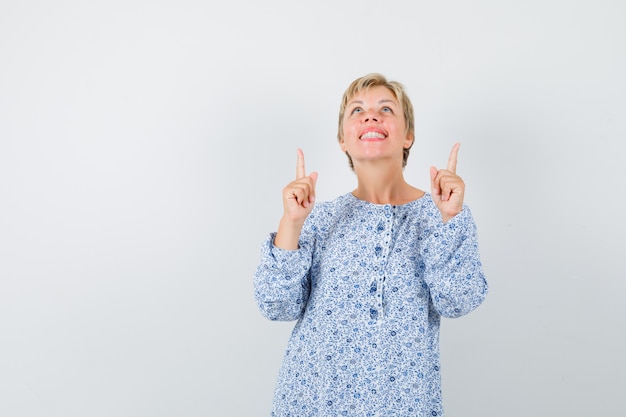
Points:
x=368 y=81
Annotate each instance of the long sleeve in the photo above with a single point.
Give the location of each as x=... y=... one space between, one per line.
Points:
x=453 y=271
x=282 y=281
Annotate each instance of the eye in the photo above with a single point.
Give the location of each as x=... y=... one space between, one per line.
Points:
x=387 y=110
x=356 y=110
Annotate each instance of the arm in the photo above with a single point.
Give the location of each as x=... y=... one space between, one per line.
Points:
x=453 y=271
x=282 y=280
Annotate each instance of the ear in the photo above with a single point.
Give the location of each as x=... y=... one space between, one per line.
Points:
x=342 y=144
x=408 y=141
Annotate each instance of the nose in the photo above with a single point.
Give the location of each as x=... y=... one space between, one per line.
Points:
x=369 y=117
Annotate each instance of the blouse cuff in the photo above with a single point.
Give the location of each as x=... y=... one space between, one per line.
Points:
x=446 y=238
x=290 y=261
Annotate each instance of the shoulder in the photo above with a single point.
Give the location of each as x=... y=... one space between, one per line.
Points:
x=423 y=209
x=426 y=212
x=327 y=212
x=333 y=206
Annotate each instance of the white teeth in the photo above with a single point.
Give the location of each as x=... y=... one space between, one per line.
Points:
x=373 y=135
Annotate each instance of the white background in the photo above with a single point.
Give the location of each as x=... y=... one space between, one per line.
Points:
x=144 y=146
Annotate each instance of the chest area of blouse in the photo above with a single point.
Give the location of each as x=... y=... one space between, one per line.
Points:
x=363 y=236
x=370 y=262
x=368 y=243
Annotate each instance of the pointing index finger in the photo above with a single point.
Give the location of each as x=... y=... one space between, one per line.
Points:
x=453 y=158
x=300 y=173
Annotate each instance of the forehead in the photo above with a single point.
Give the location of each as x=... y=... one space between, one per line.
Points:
x=376 y=93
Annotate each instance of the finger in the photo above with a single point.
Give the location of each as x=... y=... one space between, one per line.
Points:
x=308 y=185
x=454 y=153
x=302 y=196
x=313 y=177
x=451 y=185
x=300 y=173
x=446 y=188
x=300 y=191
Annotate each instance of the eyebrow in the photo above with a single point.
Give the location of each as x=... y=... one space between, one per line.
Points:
x=379 y=102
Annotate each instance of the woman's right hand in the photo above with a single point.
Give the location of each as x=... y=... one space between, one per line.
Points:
x=298 y=201
x=299 y=195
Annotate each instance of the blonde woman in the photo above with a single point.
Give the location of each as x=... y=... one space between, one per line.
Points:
x=368 y=275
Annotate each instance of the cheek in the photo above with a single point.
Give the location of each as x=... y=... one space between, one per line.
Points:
x=353 y=126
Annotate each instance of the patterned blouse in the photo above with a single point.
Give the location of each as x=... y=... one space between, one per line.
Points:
x=367 y=287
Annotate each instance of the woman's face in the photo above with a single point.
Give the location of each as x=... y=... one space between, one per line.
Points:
x=374 y=127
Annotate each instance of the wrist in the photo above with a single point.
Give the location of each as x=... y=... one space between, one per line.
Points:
x=288 y=234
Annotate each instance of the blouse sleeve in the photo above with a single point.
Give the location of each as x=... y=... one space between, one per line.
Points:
x=453 y=271
x=282 y=279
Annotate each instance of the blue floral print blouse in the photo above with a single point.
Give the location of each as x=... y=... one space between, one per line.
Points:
x=367 y=287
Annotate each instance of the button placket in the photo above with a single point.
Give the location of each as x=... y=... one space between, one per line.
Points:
x=389 y=215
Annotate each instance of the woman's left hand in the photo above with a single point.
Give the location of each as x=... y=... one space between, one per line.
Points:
x=447 y=188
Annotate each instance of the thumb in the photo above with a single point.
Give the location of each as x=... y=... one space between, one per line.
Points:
x=435 y=190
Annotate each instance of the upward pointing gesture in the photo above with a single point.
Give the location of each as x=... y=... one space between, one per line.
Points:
x=298 y=201
x=447 y=188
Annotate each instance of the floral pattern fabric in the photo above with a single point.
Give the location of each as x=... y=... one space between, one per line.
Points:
x=367 y=287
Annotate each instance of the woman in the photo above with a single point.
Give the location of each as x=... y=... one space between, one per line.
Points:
x=368 y=275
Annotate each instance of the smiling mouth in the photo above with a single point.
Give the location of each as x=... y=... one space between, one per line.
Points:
x=372 y=135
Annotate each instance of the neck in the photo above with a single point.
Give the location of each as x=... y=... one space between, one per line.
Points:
x=383 y=185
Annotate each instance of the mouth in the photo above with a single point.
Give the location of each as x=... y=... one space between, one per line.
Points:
x=373 y=134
